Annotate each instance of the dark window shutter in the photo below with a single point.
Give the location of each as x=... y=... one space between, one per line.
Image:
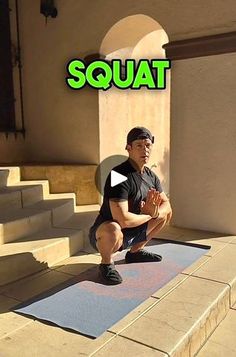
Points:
x=7 y=108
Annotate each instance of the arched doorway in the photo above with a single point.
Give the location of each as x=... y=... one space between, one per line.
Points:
x=135 y=37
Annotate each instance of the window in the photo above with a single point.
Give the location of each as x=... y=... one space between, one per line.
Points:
x=7 y=111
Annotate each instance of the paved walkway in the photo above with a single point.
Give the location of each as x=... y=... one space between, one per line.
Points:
x=174 y=321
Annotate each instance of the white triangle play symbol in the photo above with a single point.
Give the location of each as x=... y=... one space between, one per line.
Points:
x=117 y=178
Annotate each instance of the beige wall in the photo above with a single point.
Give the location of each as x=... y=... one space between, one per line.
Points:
x=203 y=144
x=127 y=32
x=120 y=110
x=151 y=108
x=57 y=118
x=63 y=126
x=12 y=150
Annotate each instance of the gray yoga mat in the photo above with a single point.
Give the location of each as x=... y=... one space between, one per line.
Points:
x=86 y=305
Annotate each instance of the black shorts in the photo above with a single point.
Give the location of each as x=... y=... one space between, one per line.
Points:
x=131 y=235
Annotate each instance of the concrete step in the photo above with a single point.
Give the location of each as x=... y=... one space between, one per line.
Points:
x=28 y=213
x=188 y=309
x=31 y=190
x=30 y=184
x=18 y=196
x=9 y=175
x=78 y=178
x=10 y=198
x=82 y=218
x=62 y=206
x=22 y=222
x=222 y=342
x=175 y=321
x=37 y=252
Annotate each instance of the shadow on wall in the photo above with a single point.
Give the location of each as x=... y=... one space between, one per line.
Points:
x=161 y=169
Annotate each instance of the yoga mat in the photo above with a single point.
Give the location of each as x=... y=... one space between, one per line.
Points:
x=85 y=304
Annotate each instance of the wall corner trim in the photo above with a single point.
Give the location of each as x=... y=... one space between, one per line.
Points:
x=201 y=46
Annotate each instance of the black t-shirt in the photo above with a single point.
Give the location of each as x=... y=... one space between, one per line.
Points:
x=134 y=190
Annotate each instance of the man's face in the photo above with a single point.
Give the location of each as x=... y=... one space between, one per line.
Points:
x=140 y=150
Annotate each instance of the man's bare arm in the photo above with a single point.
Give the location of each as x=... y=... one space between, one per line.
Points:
x=165 y=207
x=120 y=213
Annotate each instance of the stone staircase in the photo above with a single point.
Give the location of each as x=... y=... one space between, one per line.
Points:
x=37 y=229
x=39 y=236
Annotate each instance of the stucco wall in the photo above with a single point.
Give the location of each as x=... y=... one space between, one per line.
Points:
x=63 y=125
x=11 y=150
x=203 y=144
x=135 y=37
x=151 y=108
x=121 y=110
x=57 y=118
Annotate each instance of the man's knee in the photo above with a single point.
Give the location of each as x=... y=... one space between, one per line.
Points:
x=111 y=231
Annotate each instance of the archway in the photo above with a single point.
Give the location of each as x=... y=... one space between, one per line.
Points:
x=135 y=37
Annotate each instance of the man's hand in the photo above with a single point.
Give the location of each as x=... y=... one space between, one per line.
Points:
x=153 y=201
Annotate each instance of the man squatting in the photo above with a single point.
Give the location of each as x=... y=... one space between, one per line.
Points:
x=133 y=212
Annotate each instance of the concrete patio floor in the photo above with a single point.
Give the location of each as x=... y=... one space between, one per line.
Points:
x=175 y=321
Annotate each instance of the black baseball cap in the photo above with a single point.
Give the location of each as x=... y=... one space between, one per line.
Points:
x=139 y=132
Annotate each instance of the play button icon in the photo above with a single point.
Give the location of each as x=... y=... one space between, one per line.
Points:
x=117 y=178
x=108 y=167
